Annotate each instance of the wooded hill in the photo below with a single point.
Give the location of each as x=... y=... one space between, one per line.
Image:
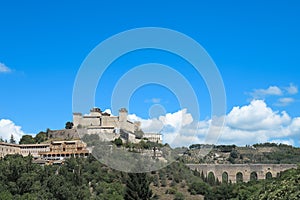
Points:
x=266 y=153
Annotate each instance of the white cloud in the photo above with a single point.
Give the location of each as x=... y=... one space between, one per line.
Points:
x=294 y=127
x=248 y=124
x=283 y=141
x=180 y=140
x=256 y=116
x=257 y=123
x=8 y=128
x=4 y=68
x=292 y=89
x=107 y=111
x=285 y=92
x=148 y=125
x=271 y=91
x=170 y=124
x=176 y=120
x=284 y=101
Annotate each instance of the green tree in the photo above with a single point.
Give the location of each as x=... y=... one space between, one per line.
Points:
x=40 y=137
x=12 y=139
x=234 y=154
x=211 y=180
x=118 y=142
x=27 y=139
x=239 y=177
x=221 y=192
x=198 y=187
x=202 y=176
x=156 y=181
x=179 y=196
x=69 y=125
x=137 y=187
x=113 y=191
x=163 y=182
x=6 y=195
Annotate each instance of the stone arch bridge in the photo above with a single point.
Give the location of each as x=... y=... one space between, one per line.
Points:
x=241 y=172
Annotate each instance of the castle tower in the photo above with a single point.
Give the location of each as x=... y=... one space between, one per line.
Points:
x=123 y=113
x=137 y=126
x=95 y=111
x=77 y=117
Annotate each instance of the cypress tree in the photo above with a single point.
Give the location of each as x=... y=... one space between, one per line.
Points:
x=12 y=139
x=137 y=187
x=202 y=176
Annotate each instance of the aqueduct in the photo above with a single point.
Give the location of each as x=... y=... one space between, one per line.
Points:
x=241 y=172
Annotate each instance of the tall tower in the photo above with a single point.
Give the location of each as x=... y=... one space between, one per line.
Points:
x=77 y=118
x=95 y=111
x=123 y=113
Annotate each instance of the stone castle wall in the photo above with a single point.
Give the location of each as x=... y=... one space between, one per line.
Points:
x=110 y=121
x=98 y=119
x=65 y=134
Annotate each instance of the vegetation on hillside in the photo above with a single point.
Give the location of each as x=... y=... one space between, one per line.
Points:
x=285 y=187
x=86 y=178
x=78 y=178
x=266 y=153
x=39 y=138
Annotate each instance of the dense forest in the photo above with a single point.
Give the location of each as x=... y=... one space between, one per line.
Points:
x=86 y=178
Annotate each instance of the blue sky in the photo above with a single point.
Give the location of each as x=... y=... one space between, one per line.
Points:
x=254 y=44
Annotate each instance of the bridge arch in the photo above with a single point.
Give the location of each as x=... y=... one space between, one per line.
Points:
x=211 y=178
x=269 y=175
x=239 y=177
x=253 y=176
x=225 y=177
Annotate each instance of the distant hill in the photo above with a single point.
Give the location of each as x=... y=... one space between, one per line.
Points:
x=266 y=153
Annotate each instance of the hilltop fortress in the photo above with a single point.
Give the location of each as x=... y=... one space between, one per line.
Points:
x=66 y=142
x=108 y=127
x=102 y=122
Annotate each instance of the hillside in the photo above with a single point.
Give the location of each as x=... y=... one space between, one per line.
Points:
x=86 y=178
x=267 y=153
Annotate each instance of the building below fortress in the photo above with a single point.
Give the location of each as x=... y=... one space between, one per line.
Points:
x=49 y=152
x=23 y=149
